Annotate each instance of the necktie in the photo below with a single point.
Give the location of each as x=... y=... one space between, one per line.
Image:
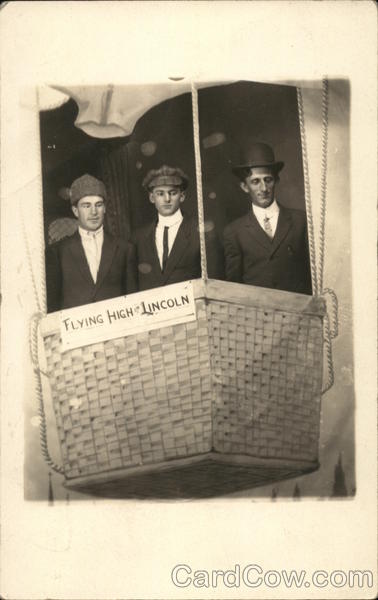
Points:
x=165 y=247
x=267 y=227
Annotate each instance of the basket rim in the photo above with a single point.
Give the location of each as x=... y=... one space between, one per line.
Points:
x=228 y=292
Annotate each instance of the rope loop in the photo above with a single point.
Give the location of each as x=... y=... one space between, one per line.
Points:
x=328 y=356
x=33 y=343
x=33 y=347
x=334 y=321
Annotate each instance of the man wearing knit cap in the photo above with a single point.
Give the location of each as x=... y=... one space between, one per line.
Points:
x=168 y=249
x=268 y=247
x=90 y=265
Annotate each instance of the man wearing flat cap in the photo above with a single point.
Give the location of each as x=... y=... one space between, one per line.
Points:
x=167 y=250
x=90 y=265
x=268 y=247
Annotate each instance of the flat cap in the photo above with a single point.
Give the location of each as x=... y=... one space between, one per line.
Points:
x=165 y=176
x=86 y=185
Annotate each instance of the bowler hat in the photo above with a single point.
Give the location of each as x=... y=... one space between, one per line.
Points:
x=86 y=185
x=257 y=154
x=165 y=176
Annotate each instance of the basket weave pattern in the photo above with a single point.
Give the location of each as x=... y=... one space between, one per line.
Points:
x=238 y=380
x=132 y=401
x=267 y=367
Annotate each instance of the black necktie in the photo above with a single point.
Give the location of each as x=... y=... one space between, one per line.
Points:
x=165 y=247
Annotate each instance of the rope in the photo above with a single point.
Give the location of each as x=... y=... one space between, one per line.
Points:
x=310 y=221
x=33 y=345
x=328 y=348
x=41 y=217
x=197 y=154
x=33 y=349
x=334 y=324
x=40 y=300
x=41 y=305
x=330 y=331
x=323 y=182
x=317 y=268
x=29 y=260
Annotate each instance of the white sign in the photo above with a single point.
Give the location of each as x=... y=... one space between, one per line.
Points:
x=126 y=315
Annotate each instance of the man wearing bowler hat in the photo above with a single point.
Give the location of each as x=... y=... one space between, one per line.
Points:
x=167 y=250
x=91 y=264
x=268 y=247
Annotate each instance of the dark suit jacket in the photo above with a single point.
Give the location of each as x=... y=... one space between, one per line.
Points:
x=184 y=261
x=253 y=258
x=68 y=279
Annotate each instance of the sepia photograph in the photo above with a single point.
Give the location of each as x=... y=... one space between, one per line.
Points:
x=187 y=324
x=209 y=186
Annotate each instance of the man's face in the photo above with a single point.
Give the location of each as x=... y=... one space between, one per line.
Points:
x=260 y=184
x=90 y=212
x=167 y=199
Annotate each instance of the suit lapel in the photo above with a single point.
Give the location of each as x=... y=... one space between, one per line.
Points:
x=257 y=231
x=79 y=258
x=179 y=246
x=151 y=248
x=283 y=227
x=109 y=248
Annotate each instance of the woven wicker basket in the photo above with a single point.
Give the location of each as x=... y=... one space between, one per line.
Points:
x=227 y=402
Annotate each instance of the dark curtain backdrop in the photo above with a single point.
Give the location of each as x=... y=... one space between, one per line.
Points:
x=113 y=171
x=233 y=114
x=228 y=114
x=164 y=135
x=67 y=153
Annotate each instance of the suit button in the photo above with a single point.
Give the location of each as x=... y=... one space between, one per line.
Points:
x=274 y=283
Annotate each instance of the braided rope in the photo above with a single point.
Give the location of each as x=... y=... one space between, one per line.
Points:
x=41 y=233
x=197 y=154
x=40 y=300
x=317 y=268
x=323 y=182
x=328 y=347
x=29 y=260
x=330 y=332
x=310 y=221
x=334 y=325
x=33 y=345
x=41 y=305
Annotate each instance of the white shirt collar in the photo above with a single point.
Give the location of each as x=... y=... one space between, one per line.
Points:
x=85 y=233
x=170 y=220
x=269 y=212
